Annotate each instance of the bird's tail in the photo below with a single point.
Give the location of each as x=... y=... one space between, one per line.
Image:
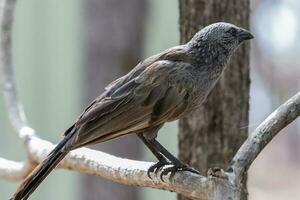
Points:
x=34 y=179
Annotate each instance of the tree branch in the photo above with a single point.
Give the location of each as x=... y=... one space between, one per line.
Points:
x=15 y=109
x=263 y=134
x=13 y=171
x=125 y=171
x=121 y=170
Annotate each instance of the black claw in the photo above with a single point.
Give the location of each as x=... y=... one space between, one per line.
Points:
x=166 y=171
x=156 y=167
x=190 y=169
x=176 y=168
x=159 y=166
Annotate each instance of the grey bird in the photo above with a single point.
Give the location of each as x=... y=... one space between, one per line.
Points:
x=162 y=88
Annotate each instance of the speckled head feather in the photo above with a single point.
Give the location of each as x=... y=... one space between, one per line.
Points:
x=217 y=42
x=221 y=34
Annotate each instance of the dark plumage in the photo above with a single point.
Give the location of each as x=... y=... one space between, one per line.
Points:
x=162 y=88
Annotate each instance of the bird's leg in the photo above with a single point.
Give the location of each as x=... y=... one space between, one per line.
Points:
x=162 y=161
x=161 y=154
x=177 y=164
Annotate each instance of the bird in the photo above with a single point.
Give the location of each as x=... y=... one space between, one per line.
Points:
x=162 y=88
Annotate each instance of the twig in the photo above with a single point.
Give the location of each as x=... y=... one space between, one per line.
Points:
x=13 y=171
x=263 y=134
x=15 y=108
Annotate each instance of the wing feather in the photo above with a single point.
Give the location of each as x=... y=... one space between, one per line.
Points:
x=148 y=100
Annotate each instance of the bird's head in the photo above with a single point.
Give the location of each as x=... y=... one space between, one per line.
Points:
x=219 y=37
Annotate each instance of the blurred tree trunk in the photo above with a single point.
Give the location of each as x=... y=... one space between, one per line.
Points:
x=211 y=136
x=114 y=31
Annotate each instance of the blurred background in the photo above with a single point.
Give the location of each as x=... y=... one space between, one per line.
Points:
x=65 y=52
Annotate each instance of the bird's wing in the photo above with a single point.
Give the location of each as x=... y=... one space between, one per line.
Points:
x=116 y=84
x=172 y=54
x=144 y=101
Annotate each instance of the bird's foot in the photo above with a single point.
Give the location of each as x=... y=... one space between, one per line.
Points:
x=177 y=168
x=157 y=166
x=217 y=172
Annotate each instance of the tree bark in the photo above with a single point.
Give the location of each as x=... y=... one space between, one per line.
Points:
x=211 y=136
x=114 y=46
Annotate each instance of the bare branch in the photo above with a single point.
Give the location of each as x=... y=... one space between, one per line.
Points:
x=125 y=171
x=13 y=171
x=263 y=134
x=15 y=109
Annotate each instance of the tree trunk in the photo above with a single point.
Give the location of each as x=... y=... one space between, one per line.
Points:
x=114 y=32
x=210 y=137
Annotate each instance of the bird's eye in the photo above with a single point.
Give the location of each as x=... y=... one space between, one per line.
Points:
x=232 y=32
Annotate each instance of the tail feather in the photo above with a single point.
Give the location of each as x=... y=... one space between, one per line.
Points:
x=34 y=179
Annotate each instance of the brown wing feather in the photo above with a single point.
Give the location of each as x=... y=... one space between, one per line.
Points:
x=137 y=105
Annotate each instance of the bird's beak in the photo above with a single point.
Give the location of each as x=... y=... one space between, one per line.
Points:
x=243 y=34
